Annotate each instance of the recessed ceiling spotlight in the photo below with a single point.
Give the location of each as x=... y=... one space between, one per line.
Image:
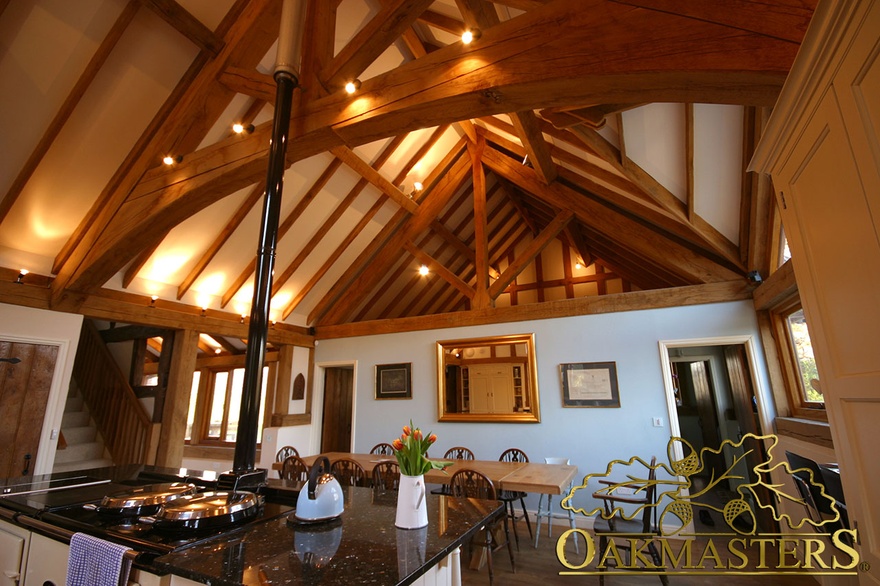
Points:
x=470 y=35
x=239 y=128
x=578 y=265
x=170 y=160
x=417 y=186
x=353 y=86
x=423 y=270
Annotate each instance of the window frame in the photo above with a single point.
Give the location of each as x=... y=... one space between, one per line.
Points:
x=788 y=360
x=202 y=415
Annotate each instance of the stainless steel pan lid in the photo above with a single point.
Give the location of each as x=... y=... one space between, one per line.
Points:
x=149 y=495
x=208 y=504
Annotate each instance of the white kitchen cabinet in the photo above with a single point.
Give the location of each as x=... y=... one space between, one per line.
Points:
x=14 y=543
x=490 y=388
x=47 y=562
x=141 y=578
x=822 y=149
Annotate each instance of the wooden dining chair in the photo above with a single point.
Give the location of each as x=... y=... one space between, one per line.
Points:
x=456 y=453
x=348 y=472
x=383 y=449
x=294 y=469
x=605 y=526
x=509 y=497
x=386 y=476
x=282 y=455
x=473 y=484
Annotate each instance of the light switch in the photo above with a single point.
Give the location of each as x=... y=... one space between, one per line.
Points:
x=658 y=421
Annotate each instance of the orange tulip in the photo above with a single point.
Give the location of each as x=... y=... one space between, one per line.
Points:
x=406 y=430
x=397 y=445
x=432 y=438
x=417 y=434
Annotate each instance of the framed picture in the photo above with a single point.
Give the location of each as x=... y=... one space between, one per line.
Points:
x=589 y=384
x=394 y=381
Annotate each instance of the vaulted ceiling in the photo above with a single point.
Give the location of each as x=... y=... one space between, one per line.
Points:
x=574 y=148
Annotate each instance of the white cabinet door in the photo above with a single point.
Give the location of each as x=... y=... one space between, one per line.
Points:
x=491 y=388
x=823 y=150
x=835 y=241
x=47 y=562
x=13 y=553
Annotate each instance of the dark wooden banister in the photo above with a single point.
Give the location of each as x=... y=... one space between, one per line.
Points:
x=118 y=414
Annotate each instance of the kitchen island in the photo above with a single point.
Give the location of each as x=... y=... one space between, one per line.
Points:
x=361 y=547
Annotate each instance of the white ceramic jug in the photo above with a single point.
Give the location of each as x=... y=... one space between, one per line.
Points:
x=412 y=510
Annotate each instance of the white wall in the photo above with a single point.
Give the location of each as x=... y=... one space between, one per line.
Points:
x=590 y=437
x=36 y=326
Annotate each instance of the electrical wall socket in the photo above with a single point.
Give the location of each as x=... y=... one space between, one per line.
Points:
x=657 y=421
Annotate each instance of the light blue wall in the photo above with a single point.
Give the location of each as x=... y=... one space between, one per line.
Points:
x=591 y=437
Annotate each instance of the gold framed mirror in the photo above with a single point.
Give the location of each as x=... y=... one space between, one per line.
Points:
x=492 y=379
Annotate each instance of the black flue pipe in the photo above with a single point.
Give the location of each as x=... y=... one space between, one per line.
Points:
x=258 y=329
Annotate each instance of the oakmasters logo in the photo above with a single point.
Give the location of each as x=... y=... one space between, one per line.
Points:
x=645 y=509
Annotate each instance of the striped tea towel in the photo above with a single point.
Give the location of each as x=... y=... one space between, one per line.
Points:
x=95 y=562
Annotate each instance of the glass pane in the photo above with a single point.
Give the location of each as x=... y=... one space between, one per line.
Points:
x=193 y=396
x=234 y=404
x=800 y=336
x=785 y=253
x=218 y=400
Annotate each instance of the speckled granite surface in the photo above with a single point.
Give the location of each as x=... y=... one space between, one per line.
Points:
x=361 y=547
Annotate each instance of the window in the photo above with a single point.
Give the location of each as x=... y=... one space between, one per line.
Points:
x=785 y=330
x=799 y=337
x=219 y=402
x=798 y=364
x=193 y=399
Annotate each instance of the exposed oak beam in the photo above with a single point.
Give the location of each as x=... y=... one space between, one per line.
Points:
x=438 y=267
x=186 y=24
x=281 y=278
x=369 y=42
x=67 y=107
x=350 y=158
x=234 y=222
x=530 y=253
x=642 y=239
x=307 y=198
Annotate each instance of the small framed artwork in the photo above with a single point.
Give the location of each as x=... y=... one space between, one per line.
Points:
x=394 y=381
x=589 y=384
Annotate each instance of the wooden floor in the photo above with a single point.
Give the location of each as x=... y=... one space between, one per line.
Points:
x=540 y=566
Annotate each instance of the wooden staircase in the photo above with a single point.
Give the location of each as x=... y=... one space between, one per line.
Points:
x=84 y=445
x=101 y=399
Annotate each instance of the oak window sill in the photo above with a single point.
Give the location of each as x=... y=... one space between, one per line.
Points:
x=807 y=430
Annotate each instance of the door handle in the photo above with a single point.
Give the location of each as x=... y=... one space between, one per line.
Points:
x=27 y=465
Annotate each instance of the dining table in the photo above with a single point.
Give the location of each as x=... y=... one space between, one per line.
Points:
x=532 y=477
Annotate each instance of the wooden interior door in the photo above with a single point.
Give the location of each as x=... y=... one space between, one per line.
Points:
x=24 y=394
x=336 y=418
x=743 y=392
x=708 y=414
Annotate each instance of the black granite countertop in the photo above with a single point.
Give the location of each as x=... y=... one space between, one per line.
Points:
x=361 y=547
